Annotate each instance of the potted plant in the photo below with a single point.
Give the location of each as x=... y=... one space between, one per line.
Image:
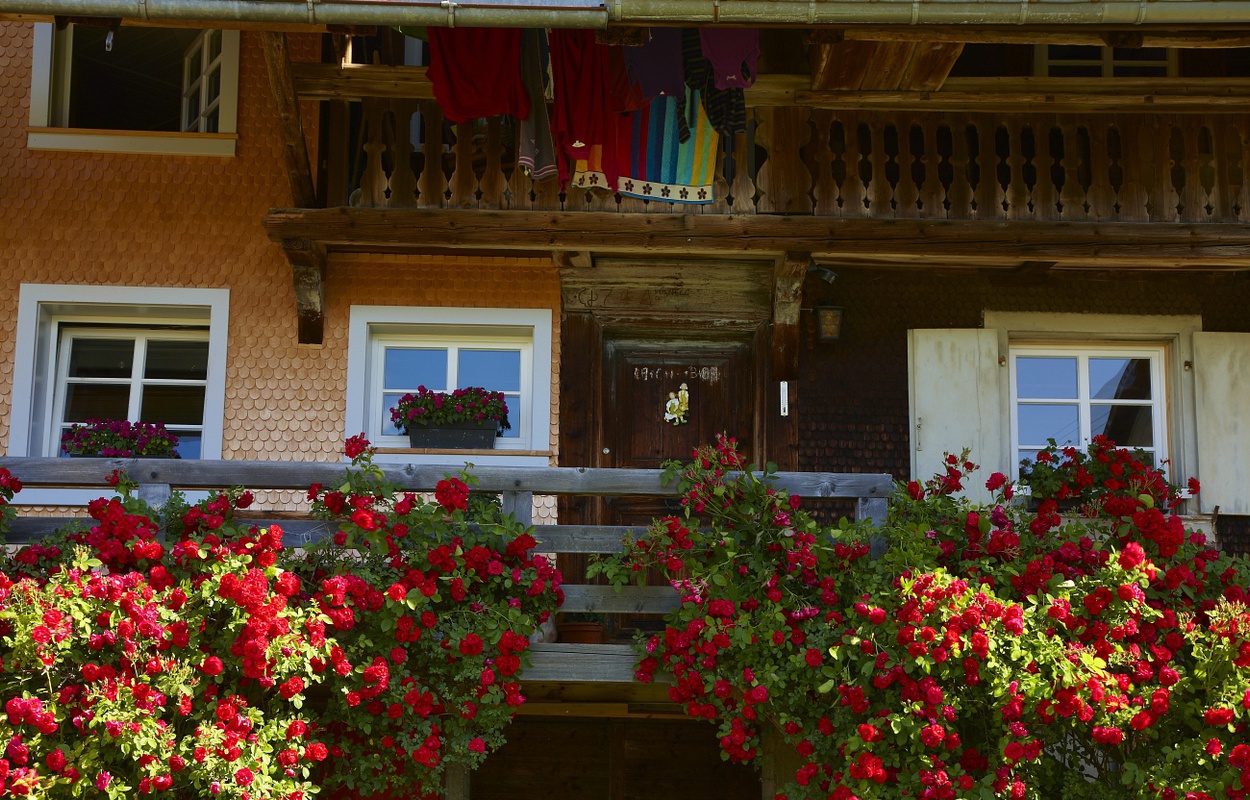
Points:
x=465 y=418
x=580 y=628
x=119 y=438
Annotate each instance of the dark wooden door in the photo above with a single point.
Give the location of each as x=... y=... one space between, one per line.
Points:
x=641 y=375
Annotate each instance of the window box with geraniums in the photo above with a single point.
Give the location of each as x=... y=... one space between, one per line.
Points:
x=119 y=438
x=465 y=418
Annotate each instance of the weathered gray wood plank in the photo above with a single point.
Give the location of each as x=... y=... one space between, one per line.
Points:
x=627 y=600
x=194 y=474
x=582 y=663
x=585 y=538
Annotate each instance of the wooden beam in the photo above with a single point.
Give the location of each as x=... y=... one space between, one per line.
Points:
x=358 y=81
x=887 y=68
x=290 y=121
x=930 y=64
x=950 y=100
x=308 y=266
x=840 y=68
x=787 y=301
x=1114 y=244
x=838 y=65
x=1020 y=34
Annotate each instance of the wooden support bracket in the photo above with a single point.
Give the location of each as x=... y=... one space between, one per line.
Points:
x=572 y=259
x=787 y=301
x=308 y=265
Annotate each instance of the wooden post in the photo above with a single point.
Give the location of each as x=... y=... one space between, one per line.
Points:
x=290 y=122
x=787 y=302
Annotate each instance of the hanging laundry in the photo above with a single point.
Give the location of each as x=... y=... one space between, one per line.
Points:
x=476 y=72
x=656 y=66
x=585 y=94
x=726 y=108
x=536 y=153
x=659 y=167
x=733 y=53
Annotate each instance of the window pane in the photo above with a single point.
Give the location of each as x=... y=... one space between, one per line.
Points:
x=190 y=443
x=497 y=370
x=1074 y=71
x=1075 y=52
x=177 y=360
x=211 y=122
x=194 y=64
x=1128 y=426
x=1140 y=54
x=1160 y=71
x=1045 y=377
x=389 y=428
x=409 y=367
x=193 y=111
x=1119 y=378
x=214 y=44
x=1040 y=422
x=173 y=405
x=101 y=358
x=212 y=85
x=84 y=401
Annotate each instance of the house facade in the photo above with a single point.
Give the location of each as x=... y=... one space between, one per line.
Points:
x=931 y=237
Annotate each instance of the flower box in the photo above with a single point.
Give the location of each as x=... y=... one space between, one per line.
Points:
x=455 y=435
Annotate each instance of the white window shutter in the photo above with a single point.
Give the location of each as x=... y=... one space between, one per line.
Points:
x=1222 y=412
x=958 y=400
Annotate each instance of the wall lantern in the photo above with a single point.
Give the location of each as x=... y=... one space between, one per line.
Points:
x=828 y=322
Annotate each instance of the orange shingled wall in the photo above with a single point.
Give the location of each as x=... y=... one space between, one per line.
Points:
x=197 y=222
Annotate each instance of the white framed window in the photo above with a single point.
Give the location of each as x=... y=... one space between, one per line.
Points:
x=157 y=375
x=1094 y=61
x=393 y=350
x=201 y=83
x=134 y=90
x=142 y=353
x=1072 y=393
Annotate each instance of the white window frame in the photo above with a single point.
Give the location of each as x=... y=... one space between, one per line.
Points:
x=372 y=328
x=139 y=337
x=1157 y=355
x=49 y=103
x=45 y=309
x=1173 y=333
x=198 y=86
x=1106 y=62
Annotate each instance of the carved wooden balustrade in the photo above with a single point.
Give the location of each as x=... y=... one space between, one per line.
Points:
x=799 y=160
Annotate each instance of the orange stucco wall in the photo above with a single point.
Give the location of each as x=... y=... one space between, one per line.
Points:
x=88 y=218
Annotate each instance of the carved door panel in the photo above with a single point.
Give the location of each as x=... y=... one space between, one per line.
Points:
x=644 y=380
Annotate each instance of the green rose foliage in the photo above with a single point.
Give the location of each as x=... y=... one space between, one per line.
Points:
x=991 y=652
x=217 y=663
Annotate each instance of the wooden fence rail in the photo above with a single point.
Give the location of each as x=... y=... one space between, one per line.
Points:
x=517 y=487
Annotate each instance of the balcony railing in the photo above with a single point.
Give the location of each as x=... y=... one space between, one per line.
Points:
x=516 y=485
x=1188 y=167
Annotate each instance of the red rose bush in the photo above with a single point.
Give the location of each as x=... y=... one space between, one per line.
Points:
x=191 y=654
x=991 y=652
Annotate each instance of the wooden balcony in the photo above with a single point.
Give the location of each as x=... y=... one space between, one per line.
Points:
x=552 y=663
x=860 y=162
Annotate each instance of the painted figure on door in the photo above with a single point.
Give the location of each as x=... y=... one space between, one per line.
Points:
x=676 y=406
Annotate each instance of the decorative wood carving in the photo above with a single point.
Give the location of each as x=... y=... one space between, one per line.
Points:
x=787 y=301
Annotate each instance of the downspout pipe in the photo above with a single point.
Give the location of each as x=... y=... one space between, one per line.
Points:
x=598 y=13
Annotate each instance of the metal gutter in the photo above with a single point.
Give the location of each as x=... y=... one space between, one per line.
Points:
x=595 y=14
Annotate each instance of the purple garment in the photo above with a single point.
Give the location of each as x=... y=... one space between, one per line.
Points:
x=656 y=66
x=733 y=53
